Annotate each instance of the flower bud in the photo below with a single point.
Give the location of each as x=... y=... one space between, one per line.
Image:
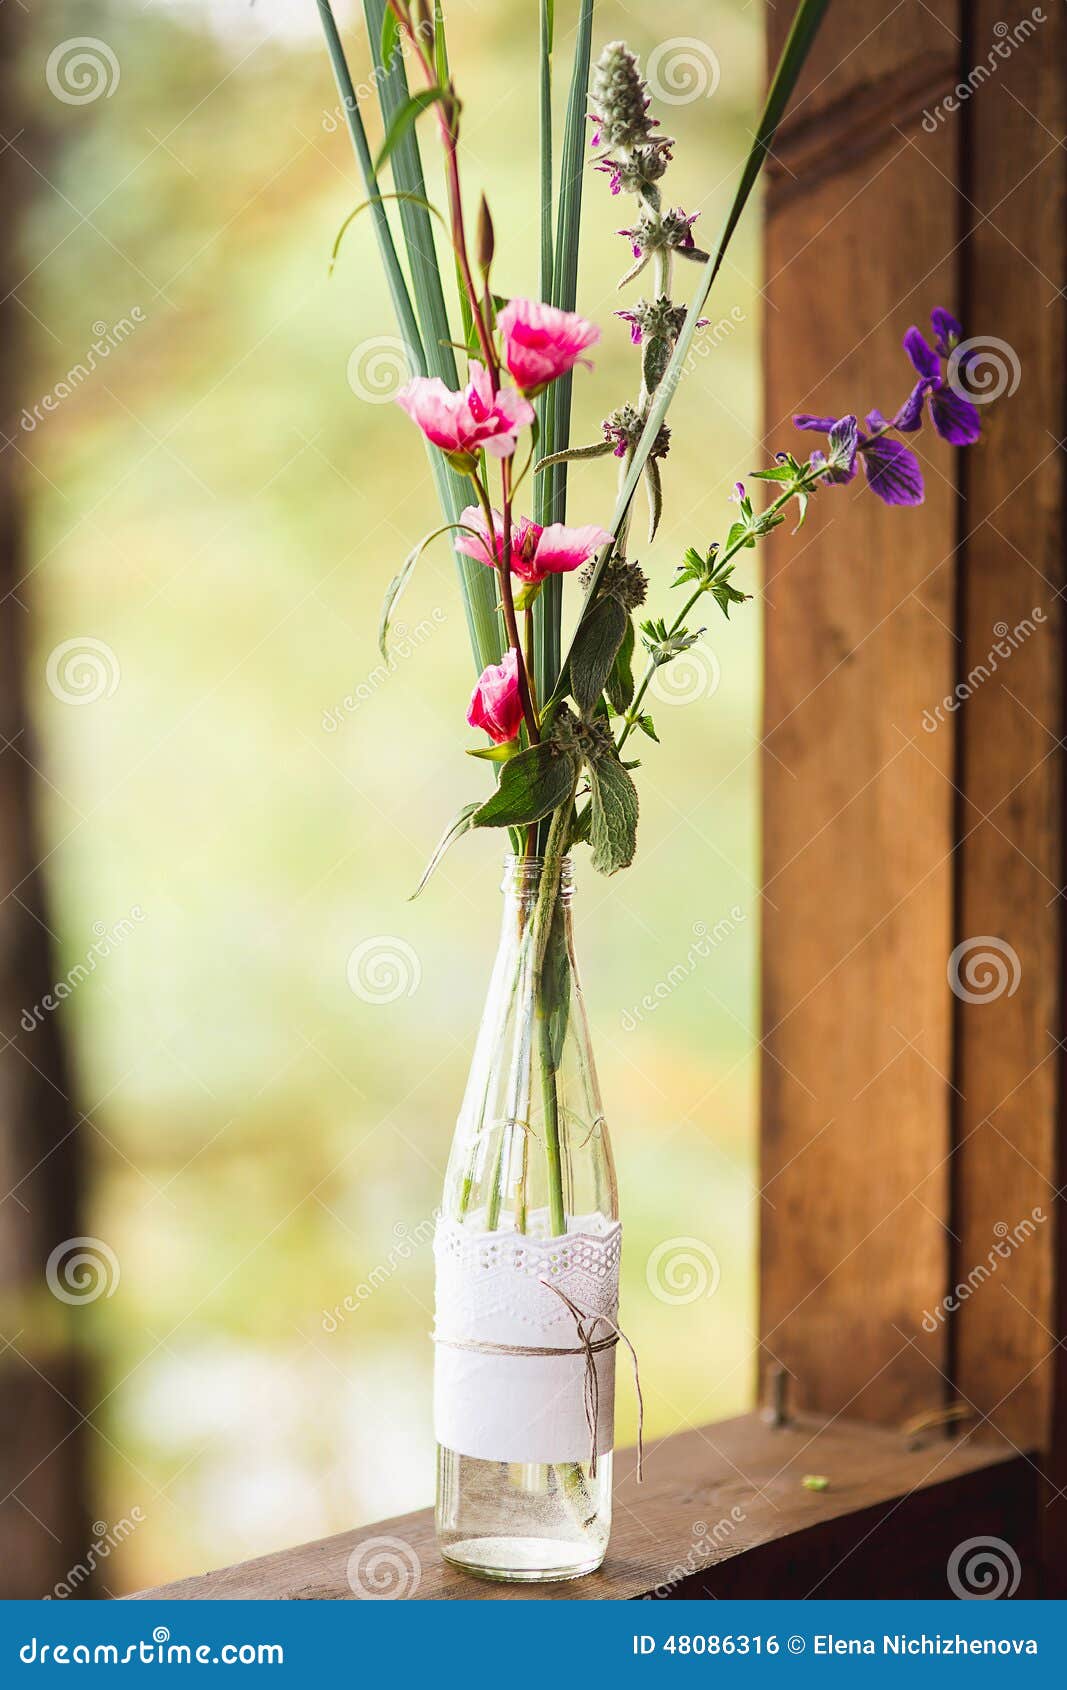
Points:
x=486 y=238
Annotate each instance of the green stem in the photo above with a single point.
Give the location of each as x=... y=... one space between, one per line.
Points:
x=724 y=557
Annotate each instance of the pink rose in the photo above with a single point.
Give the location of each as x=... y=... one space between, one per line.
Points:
x=495 y=703
x=541 y=342
x=460 y=423
x=535 y=551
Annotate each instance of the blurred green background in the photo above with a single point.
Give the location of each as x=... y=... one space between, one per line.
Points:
x=221 y=506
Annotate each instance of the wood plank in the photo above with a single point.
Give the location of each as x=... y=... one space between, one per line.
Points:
x=716 y=1502
x=857 y=800
x=1010 y=772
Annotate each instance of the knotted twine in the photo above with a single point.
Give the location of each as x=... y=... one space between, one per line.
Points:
x=590 y=1347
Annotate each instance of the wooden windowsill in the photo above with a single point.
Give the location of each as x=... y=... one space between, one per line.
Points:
x=724 y=1512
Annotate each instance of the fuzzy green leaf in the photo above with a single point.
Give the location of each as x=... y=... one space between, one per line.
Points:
x=532 y=784
x=594 y=650
x=613 y=822
x=620 y=683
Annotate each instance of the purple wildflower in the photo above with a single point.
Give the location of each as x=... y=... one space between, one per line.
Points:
x=892 y=469
x=954 y=417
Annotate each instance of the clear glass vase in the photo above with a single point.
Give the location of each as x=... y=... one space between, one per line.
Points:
x=527 y=1251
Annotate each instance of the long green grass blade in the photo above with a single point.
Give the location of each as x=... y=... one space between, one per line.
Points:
x=479 y=597
x=556 y=414
x=807 y=19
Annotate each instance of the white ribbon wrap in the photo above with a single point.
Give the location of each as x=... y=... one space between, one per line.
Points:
x=492 y=1291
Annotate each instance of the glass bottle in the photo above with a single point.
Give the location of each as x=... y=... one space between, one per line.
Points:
x=527 y=1250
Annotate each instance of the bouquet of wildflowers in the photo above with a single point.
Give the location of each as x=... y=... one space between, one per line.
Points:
x=496 y=423
x=490 y=392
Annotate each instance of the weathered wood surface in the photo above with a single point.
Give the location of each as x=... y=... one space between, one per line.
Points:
x=723 y=1510
x=858 y=810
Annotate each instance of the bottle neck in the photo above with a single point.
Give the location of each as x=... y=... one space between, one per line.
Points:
x=521 y=882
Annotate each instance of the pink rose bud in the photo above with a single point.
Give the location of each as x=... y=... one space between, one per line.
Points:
x=541 y=342
x=461 y=423
x=495 y=703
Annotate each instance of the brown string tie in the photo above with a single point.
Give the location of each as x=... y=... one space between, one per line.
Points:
x=588 y=1346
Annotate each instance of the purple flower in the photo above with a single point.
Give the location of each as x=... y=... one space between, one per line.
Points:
x=954 y=417
x=892 y=469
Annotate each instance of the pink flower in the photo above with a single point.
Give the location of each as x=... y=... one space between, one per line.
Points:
x=541 y=342
x=460 y=423
x=495 y=703
x=535 y=551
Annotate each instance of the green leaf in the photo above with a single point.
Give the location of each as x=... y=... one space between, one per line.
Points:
x=440 y=49
x=613 y=823
x=457 y=827
x=390 y=36
x=655 y=497
x=378 y=199
x=647 y=726
x=620 y=683
x=537 y=781
x=495 y=753
x=594 y=650
x=556 y=983
x=400 y=580
x=404 y=117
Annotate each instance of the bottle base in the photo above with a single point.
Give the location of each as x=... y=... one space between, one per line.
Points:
x=522 y=1560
